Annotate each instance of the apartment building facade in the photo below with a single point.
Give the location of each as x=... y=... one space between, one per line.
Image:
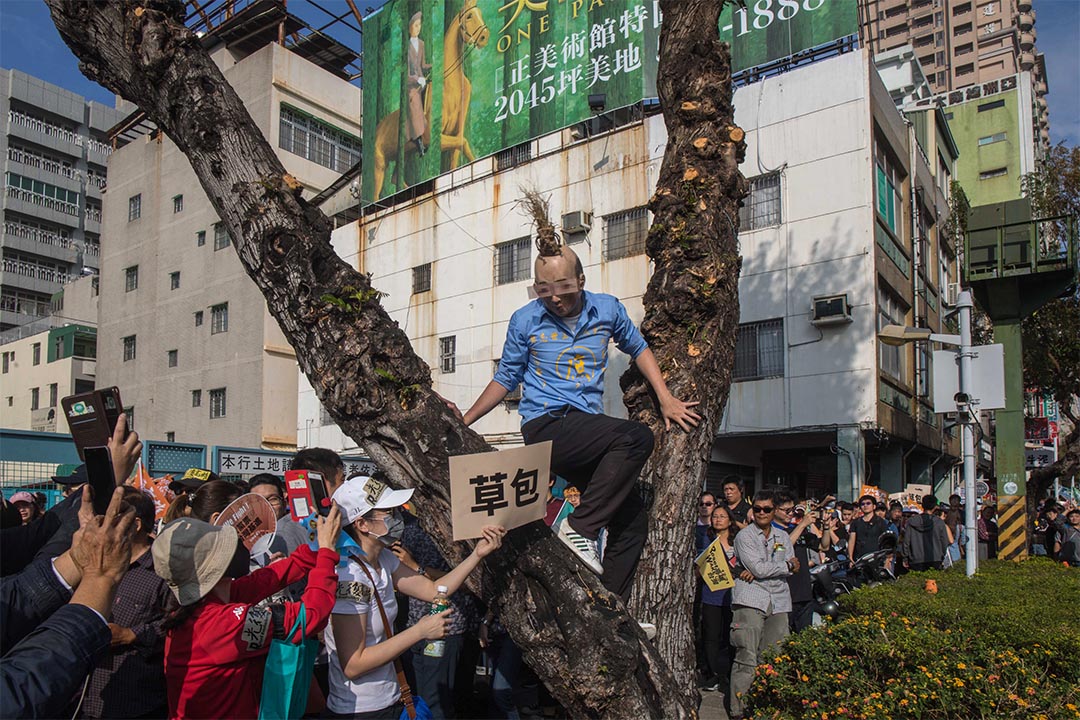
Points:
x=963 y=43
x=817 y=404
x=55 y=151
x=184 y=333
x=49 y=359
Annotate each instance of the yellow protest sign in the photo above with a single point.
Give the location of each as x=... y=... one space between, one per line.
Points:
x=714 y=567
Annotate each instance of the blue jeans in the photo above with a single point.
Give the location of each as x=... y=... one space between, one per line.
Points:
x=435 y=677
x=505 y=662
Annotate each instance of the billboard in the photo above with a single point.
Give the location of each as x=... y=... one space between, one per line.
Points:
x=450 y=81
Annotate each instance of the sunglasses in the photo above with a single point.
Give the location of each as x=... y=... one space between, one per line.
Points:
x=784 y=509
x=763 y=509
x=706 y=504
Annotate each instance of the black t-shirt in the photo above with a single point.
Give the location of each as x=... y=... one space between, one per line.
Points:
x=740 y=512
x=867 y=534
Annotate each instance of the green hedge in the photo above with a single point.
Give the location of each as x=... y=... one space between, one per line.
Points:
x=1004 y=644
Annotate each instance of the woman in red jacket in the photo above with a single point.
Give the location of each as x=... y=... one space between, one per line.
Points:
x=217 y=641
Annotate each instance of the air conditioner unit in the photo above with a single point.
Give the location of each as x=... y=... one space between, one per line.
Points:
x=830 y=310
x=952 y=292
x=578 y=221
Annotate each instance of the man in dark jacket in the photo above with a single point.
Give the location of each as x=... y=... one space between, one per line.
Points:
x=925 y=539
x=865 y=530
x=40 y=675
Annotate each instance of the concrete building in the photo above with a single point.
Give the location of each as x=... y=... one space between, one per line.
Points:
x=185 y=334
x=48 y=359
x=54 y=148
x=818 y=405
x=962 y=43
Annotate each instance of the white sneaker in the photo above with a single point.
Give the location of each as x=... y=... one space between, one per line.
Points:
x=582 y=546
x=650 y=632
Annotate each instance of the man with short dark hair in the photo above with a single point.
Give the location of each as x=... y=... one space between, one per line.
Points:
x=323 y=461
x=705 y=505
x=1070 y=540
x=733 y=496
x=926 y=539
x=866 y=530
x=759 y=608
x=291 y=532
x=130 y=681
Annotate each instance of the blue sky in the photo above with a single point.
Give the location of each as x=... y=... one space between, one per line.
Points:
x=29 y=42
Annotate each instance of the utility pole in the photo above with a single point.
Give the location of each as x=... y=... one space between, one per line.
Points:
x=967 y=416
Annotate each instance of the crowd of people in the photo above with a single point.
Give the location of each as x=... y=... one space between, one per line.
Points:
x=772 y=543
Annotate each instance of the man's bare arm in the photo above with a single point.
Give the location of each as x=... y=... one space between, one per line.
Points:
x=493 y=395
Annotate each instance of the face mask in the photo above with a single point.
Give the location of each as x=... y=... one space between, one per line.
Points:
x=395 y=528
x=240 y=564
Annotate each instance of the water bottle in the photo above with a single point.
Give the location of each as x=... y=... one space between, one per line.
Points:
x=436 y=648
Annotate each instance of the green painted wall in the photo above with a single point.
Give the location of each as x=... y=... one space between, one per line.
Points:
x=968 y=125
x=63 y=342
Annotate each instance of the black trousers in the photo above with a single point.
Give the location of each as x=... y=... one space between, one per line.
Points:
x=602 y=456
x=716 y=637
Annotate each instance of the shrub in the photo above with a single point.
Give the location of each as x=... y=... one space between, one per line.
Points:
x=1004 y=644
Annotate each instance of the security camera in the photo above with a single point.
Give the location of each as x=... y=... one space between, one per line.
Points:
x=962 y=400
x=598 y=102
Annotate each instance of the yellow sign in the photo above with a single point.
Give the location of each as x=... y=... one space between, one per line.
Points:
x=714 y=567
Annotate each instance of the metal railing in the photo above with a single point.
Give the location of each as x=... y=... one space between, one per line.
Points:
x=21 y=119
x=38 y=272
x=24 y=306
x=29 y=232
x=44 y=201
x=1021 y=248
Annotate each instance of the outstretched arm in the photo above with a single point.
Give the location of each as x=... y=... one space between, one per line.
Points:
x=492 y=395
x=672 y=408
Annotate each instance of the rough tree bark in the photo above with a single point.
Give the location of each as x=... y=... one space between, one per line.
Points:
x=691 y=308
x=575 y=634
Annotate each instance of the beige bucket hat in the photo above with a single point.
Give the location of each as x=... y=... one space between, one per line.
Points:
x=192 y=555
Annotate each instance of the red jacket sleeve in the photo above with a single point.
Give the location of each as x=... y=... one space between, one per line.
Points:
x=273 y=578
x=234 y=631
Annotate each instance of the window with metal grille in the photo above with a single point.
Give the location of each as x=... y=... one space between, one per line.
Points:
x=198 y=318
x=421 y=278
x=890 y=312
x=174 y=280
x=54 y=390
x=759 y=350
x=131 y=278
x=625 y=233
x=129 y=348
x=219 y=318
x=178 y=203
x=174 y=358
x=448 y=354
x=923 y=370
x=762 y=206
x=217 y=403
x=316 y=140
x=35 y=398
x=889 y=182
x=512 y=261
x=170 y=437
x=513 y=156
x=200 y=238
x=196 y=398
x=514 y=395
x=130 y=412
x=221 y=236
x=37 y=353
x=134 y=207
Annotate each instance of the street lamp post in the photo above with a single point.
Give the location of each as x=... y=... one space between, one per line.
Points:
x=967 y=415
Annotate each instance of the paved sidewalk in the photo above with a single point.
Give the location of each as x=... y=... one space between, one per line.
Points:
x=712 y=706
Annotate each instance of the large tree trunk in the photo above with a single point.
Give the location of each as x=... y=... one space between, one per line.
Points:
x=575 y=634
x=691 y=308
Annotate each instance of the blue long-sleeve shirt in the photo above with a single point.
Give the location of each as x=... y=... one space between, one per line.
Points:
x=558 y=366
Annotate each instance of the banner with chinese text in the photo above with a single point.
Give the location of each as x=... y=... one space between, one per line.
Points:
x=450 y=81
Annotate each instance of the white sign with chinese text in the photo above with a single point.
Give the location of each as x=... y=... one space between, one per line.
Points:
x=507 y=488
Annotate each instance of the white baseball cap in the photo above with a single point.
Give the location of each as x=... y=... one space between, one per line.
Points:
x=359 y=495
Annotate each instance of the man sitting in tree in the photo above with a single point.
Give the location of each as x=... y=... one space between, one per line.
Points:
x=557 y=347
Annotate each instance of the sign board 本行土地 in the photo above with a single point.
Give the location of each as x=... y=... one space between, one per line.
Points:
x=507 y=488
x=456 y=80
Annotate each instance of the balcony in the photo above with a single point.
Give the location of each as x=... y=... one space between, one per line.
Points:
x=1027 y=60
x=33 y=277
x=44 y=133
x=32 y=204
x=1027 y=20
x=1024 y=6
x=1004 y=241
x=36 y=241
x=1027 y=39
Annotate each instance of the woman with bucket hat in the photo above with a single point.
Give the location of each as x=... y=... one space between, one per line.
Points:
x=218 y=639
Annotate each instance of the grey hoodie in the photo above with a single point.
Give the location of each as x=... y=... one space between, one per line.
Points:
x=925 y=539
